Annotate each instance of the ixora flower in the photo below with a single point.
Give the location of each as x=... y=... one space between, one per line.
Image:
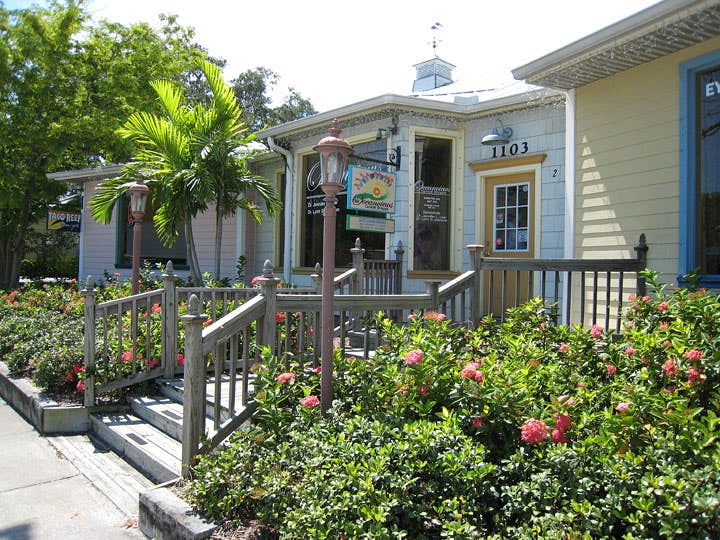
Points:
x=533 y=431
x=663 y=306
x=477 y=423
x=670 y=368
x=611 y=369
x=630 y=350
x=434 y=316
x=693 y=355
x=558 y=436
x=564 y=347
x=80 y=386
x=623 y=407
x=280 y=317
x=694 y=375
x=596 y=331
x=562 y=421
x=285 y=377
x=414 y=357
x=310 y=401
x=470 y=371
x=180 y=359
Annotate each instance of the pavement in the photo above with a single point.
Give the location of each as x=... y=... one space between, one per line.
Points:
x=63 y=487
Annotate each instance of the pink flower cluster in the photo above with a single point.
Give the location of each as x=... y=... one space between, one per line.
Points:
x=670 y=368
x=310 y=401
x=623 y=407
x=596 y=331
x=471 y=371
x=533 y=431
x=414 y=357
x=285 y=377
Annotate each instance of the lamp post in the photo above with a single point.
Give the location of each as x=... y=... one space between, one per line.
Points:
x=334 y=154
x=138 y=200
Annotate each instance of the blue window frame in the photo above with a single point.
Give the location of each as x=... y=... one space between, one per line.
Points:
x=700 y=168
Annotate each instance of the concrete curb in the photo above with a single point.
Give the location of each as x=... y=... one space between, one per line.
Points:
x=44 y=413
x=165 y=516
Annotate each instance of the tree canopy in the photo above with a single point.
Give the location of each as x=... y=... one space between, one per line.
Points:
x=66 y=85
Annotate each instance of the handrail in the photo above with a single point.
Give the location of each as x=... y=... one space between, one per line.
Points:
x=232 y=323
x=456 y=286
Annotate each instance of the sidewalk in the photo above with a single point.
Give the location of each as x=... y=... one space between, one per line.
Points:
x=61 y=487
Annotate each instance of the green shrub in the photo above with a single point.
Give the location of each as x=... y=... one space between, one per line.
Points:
x=519 y=429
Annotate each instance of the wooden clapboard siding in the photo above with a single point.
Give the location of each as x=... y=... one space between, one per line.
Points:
x=100 y=243
x=627 y=162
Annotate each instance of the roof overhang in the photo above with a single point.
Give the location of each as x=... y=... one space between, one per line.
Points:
x=79 y=176
x=395 y=102
x=657 y=31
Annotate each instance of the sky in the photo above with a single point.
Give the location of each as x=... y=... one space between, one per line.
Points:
x=338 y=53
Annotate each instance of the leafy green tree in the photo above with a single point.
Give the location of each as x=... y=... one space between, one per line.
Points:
x=65 y=87
x=253 y=88
x=190 y=155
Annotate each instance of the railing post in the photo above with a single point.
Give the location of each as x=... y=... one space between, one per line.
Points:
x=268 y=284
x=432 y=290
x=194 y=386
x=641 y=253
x=399 y=252
x=358 y=263
x=89 y=294
x=476 y=255
x=169 y=321
x=317 y=331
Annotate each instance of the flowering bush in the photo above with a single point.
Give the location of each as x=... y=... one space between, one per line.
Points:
x=519 y=429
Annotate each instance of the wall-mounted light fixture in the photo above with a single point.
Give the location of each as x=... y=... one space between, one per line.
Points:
x=383 y=132
x=497 y=137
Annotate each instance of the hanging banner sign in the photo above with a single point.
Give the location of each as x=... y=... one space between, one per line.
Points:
x=369 y=224
x=60 y=220
x=371 y=190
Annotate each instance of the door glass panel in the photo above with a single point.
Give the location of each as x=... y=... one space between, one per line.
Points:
x=512 y=214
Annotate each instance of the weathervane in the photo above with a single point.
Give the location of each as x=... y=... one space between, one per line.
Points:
x=435 y=27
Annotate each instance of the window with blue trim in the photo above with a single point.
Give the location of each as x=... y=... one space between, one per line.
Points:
x=700 y=168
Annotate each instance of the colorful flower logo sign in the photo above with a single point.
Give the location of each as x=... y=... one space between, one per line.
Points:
x=371 y=190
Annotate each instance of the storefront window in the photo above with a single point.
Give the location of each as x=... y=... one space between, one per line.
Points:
x=708 y=176
x=312 y=210
x=433 y=172
x=151 y=249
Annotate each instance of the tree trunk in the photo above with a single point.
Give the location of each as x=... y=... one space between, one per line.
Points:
x=218 y=237
x=195 y=273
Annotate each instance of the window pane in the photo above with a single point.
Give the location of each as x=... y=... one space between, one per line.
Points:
x=511 y=217
x=151 y=249
x=708 y=188
x=312 y=209
x=433 y=159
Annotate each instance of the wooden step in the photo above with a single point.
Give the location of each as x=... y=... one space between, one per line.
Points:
x=162 y=412
x=173 y=389
x=147 y=448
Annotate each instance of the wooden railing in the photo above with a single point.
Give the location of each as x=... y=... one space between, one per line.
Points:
x=584 y=291
x=150 y=322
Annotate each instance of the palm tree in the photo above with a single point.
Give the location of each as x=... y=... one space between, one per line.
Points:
x=190 y=155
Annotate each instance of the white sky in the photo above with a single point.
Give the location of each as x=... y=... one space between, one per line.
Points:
x=338 y=53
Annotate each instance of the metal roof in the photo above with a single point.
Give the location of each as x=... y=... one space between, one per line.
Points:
x=657 y=31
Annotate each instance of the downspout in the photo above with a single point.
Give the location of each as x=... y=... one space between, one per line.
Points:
x=288 y=207
x=569 y=241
